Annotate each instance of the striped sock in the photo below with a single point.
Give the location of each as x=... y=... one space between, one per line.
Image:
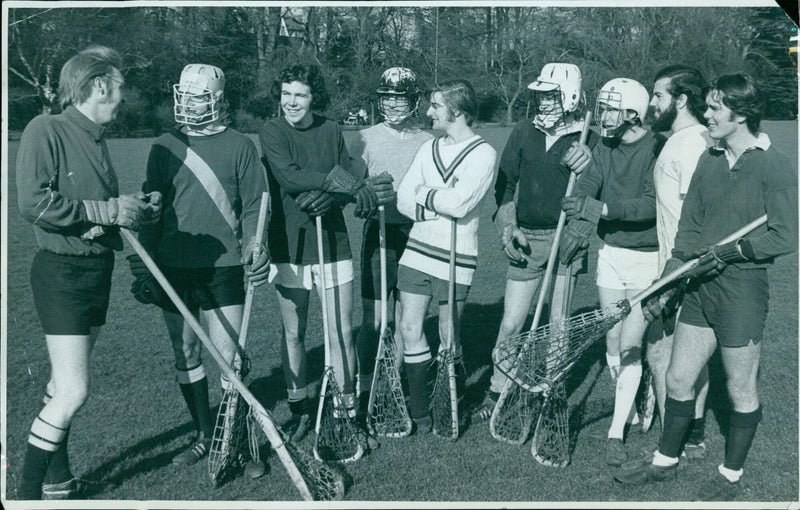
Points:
x=43 y=441
x=58 y=470
x=194 y=388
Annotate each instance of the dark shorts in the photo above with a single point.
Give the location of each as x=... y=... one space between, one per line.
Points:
x=71 y=293
x=207 y=287
x=416 y=282
x=534 y=264
x=734 y=305
x=396 y=240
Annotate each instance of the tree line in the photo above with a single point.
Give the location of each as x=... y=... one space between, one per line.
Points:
x=499 y=49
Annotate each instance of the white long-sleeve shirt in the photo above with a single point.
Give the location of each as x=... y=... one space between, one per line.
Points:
x=433 y=194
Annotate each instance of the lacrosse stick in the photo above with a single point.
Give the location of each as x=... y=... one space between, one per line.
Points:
x=646 y=403
x=512 y=416
x=337 y=437
x=386 y=413
x=313 y=479
x=232 y=428
x=444 y=401
x=539 y=366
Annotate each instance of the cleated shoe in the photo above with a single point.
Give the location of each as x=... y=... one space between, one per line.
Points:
x=484 y=411
x=645 y=473
x=198 y=449
x=615 y=452
x=254 y=469
x=694 y=452
x=74 y=488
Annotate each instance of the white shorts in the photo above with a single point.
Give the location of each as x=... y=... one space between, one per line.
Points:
x=622 y=268
x=304 y=276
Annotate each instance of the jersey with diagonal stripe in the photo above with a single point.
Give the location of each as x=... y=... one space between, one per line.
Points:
x=444 y=182
x=211 y=187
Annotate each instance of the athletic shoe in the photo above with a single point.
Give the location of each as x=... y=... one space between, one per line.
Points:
x=646 y=472
x=694 y=452
x=484 y=411
x=718 y=488
x=297 y=426
x=74 y=488
x=615 y=452
x=255 y=469
x=198 y=449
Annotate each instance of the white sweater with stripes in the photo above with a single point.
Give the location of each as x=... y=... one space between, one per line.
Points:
x=433 y=192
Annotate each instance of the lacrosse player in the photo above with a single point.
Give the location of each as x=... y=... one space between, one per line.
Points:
x=615 y=197
x=211 y=180
x=537 y=159
x=738 y=180
x=446 y=180
x=67 y=188
x=311 y=174
x=677 y=105
x=386 y=147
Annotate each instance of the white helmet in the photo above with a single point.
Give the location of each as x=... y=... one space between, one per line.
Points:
x=614 y=99
x=556 y=92
x=398 y=83
x=198 y=95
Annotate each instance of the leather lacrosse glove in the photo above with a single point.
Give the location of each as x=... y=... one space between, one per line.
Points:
x=515 y=244
x=124 y=211
x=575 y=240
x=256 y=268
x=341 y=182
x=577 y=158
x=664 y=304
x=152 y=211
x=315 y=202
x=145 y=288
x=712 y=261
x=582 y=207
x=382 y=185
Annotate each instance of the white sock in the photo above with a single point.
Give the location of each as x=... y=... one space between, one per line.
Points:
x=613 y=366
x=627 y=384
x=731 y=475
x=659 y=459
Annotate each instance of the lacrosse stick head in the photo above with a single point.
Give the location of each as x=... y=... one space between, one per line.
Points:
x=537 y=359
x=513 y=414
x=387 y=414
x=338 y=438
x=325 y=482
x=229 y=444
x=444 y=399
x=551 y=442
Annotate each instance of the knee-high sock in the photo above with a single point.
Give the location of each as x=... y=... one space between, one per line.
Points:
x=417 y=365
x=43 y=441
x=58 y=470
x=194 y=388
x=677 y=415
x=627 y=384
x=697 y=431
x=740 y=436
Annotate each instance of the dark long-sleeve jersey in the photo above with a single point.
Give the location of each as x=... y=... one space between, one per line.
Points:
x=721 y=200
x=205 y=215
x=298 y=160
x=537 y=172
x=63 y=160
x=621 y=176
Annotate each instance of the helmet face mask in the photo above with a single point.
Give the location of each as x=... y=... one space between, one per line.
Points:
x=398 y=95
x=557 y=92
x=198 y=96
x=620 y=103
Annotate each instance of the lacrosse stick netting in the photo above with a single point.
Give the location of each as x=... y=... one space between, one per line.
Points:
x=387 y=414
x=314 y=481
x=551 y=442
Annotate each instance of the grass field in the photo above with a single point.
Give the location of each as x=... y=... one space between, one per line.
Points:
x=135 y=419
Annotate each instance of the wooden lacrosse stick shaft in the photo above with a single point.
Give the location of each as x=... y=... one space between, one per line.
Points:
x=688 y=266
x=384 y=305
x=262 y=415
x=562 y=219
x=248 y=298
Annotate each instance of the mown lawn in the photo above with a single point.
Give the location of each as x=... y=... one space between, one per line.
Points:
x=135 y=419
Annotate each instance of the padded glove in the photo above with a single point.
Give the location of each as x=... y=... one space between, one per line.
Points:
x=712 y=261
x=582 y=207
x=575 y=239
x=125 y=211
x=153 y=201
x=315 y=202
x=664 y=304
x=384 y=192
x=577 y=158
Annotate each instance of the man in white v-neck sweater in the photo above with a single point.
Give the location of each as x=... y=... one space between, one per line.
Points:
x=446 y=181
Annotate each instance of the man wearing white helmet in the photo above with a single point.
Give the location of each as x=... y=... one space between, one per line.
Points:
x=386 y=147
x=212 y=181
x=615 y=197
x=535 y=167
